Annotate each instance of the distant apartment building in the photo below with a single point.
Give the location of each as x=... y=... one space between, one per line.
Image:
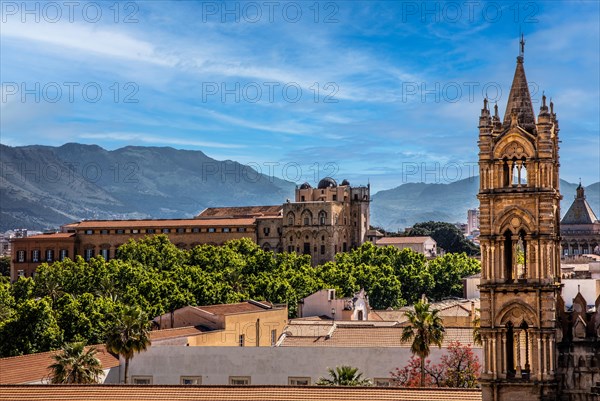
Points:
x=320 y=222
x=472 y=221
x=424 y=245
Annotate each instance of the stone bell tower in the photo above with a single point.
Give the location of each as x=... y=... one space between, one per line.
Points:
x=520 y=246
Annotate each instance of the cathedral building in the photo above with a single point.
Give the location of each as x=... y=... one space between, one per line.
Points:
x=580 y=228
x=534 y=349
x=320 y=222
x=520 y=246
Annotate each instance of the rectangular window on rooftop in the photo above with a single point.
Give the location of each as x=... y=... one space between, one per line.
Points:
x=142 y=380
x=299 y=381
x=239 y=380
x=211 y=230
x=191 y=380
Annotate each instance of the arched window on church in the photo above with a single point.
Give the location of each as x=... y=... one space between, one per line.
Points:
x=521 y=256
x=524 y=347
x=322 y=217
x=290 y=219
x=506 y=170
x=508 y=256
x=509 y=352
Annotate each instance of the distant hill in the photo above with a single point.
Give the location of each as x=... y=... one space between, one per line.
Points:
x=410 y=203
x=43 y=187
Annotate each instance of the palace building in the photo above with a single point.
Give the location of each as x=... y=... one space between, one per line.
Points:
x=320 y=222
x=533 y=347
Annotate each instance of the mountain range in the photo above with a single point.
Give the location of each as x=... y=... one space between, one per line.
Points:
x=42 y=187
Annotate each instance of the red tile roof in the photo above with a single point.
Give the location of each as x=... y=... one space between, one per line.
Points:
x=240 y=211
x=230 y=393
x=361 y=336
x=241 y=307
x=401 y=240
x=50 y=236
x=34 y=367
x=163 y=223
x=167 y=334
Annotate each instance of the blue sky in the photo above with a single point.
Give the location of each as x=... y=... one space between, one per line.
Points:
x=380 y=91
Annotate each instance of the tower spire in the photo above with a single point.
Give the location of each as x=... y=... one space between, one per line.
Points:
x=519 y=98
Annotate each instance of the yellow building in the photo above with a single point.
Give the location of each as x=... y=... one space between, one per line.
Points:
x=245 y=324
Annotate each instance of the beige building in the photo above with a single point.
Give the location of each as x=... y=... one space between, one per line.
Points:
x=244 y=324
x=324 y=304
x=423 y=245
x=320 y=222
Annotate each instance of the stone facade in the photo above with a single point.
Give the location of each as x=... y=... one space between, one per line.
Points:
x=321 y=222
x=580 y=228
x=520 y=246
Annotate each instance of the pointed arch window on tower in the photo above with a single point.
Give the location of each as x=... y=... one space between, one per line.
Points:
x=521 y=256
x=509 y=351
x=508 y=256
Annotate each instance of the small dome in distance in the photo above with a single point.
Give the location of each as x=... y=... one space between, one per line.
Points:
x=345 y=182
x=306 y=185
x=327 y=182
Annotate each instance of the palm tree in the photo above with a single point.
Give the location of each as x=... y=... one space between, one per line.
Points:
x=344 y=376
x=76 y=365
x=425 y=328
x=130 y=334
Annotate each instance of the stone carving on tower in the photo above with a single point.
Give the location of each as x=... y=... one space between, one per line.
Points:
x=520 y=245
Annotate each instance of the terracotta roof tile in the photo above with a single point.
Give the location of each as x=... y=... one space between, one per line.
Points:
x=34 y=367
x=361 y=337
x=50 y=236
x=240 y=211
x=167 y=334
x=229 y=309
x=163 y=223
x=230 y=393
x=402 y=240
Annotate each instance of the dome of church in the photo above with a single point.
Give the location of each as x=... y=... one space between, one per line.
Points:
x=327 y=182
x=345 y=182
x=306 y=185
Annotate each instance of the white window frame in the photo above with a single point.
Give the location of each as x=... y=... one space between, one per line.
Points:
x=49 y=255
x=226 y=229
x=246 y=379
x=35 y=255
x=105 y=253
x=196 y=379
x=89 y=232
x=134 y=379
x=21 y=256
x=293 y=381
x=211 y=230
x=379 y=382
x=63 y=254
x=88 y=254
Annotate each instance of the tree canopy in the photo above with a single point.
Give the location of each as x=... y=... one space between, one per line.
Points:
x=447 y=236
x=75 y=300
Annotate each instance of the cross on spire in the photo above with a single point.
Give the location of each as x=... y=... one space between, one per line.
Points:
x=522 y=47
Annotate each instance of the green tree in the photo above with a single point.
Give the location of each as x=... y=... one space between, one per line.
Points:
x=449 y=270
x=344 y=376
x=129 y=335
x=76 y=365
x=424 y=329
x=33 y=328
x=447 y=236
x=5 y=266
